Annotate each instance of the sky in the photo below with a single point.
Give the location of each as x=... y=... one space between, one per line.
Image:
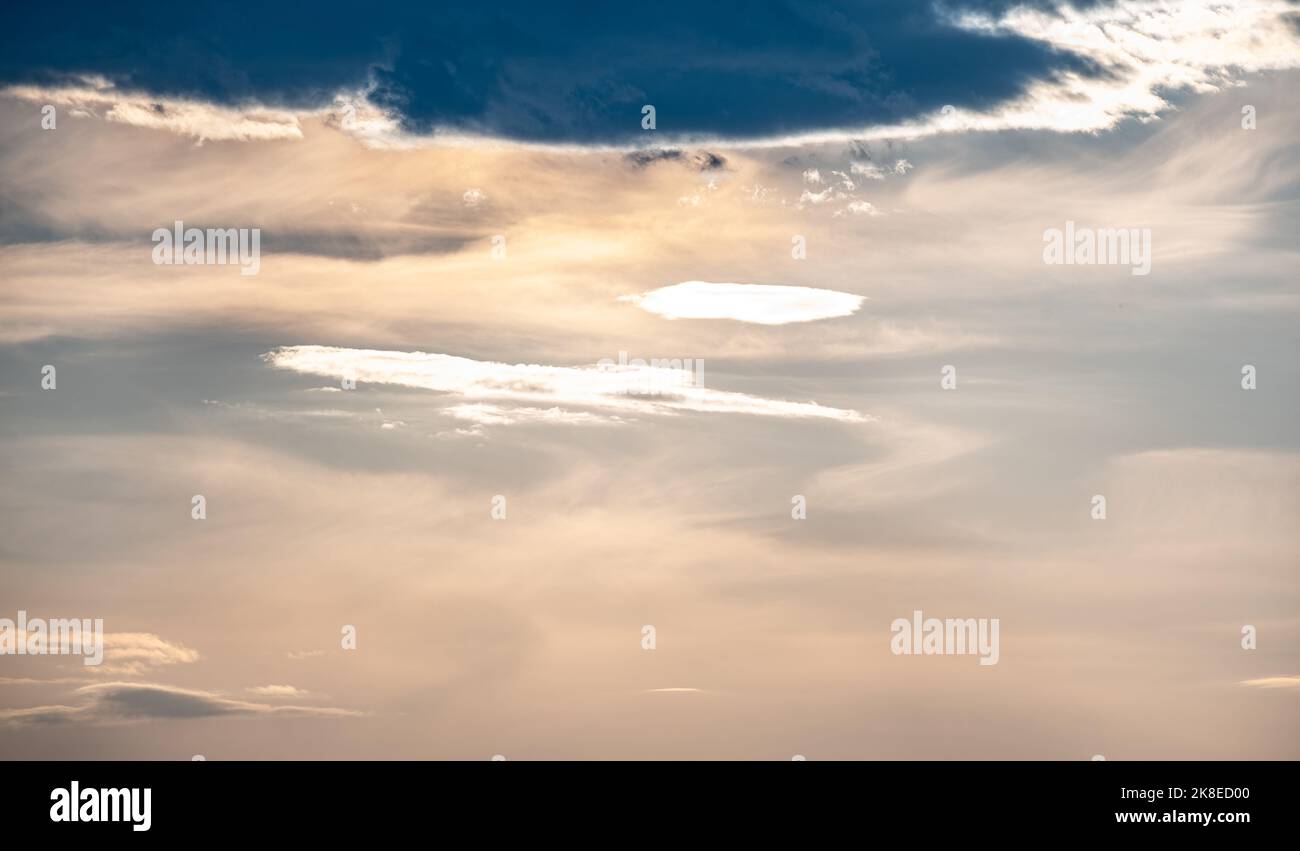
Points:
x=445 y=491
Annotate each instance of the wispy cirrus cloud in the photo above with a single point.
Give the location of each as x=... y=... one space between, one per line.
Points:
x=129 y=653
x=606 y=387
x=1147 y=50
x=135 y=652
x=91 y=96
x=1272 y=682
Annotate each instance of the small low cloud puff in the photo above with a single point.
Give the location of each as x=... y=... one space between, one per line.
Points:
x=762 y=304
x=278 y=691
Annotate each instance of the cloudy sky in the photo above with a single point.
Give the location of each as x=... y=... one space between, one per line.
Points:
x=423 y=418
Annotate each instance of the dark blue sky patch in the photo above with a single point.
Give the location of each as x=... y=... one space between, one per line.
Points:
x=560 y=72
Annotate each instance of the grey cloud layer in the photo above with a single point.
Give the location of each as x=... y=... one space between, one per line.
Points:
x=125 y=702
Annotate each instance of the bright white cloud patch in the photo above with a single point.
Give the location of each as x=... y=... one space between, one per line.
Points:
x=629 y=389
x=763 y=304
x=484 y=414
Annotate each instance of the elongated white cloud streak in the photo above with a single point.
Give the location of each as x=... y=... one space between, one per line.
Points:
x=632 y=388
x=763 y=304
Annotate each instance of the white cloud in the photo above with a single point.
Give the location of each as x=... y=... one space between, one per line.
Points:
x=197 y=119
x=278 y=691
x=133 y=652
x=611 y=387
x=1145 y=49
x=763 y=304
x=859 y=208
x=871 y=171
x=1273 y=682
x=129 y=653
x=473 y=197
x=815 y=198
x=484 y=414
